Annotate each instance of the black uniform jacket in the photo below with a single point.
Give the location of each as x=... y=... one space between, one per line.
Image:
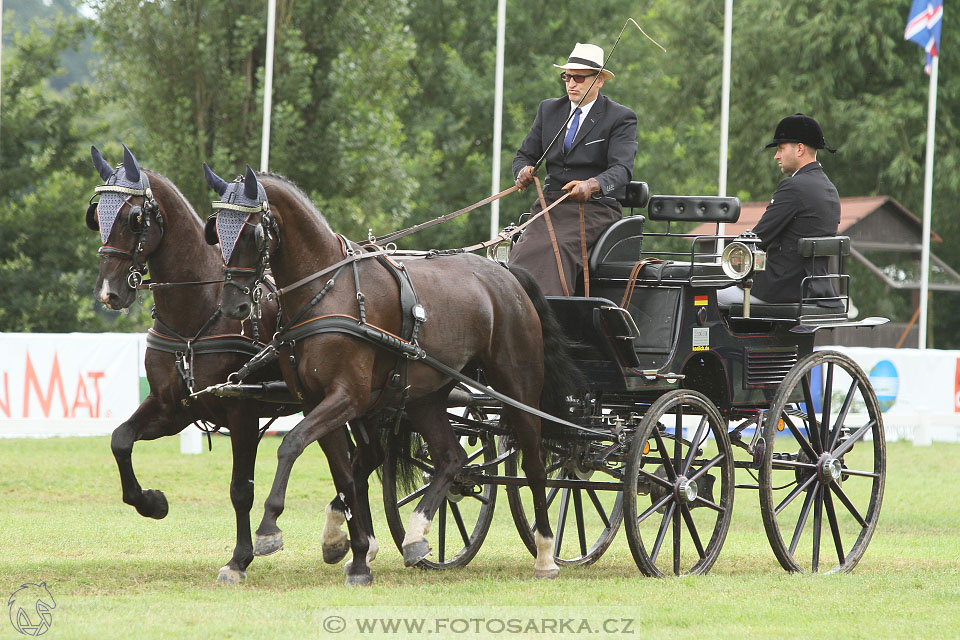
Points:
x=805 y=205
x=604 y=148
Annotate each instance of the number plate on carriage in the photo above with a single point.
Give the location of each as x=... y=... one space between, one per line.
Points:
x=701 y=339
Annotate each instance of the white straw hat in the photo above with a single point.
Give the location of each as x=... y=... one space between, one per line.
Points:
x=585 y=57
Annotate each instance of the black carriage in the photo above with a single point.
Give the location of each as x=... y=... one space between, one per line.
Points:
x=683 y=401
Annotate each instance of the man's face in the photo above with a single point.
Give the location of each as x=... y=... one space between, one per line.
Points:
x=576 y=90
x=788 y=156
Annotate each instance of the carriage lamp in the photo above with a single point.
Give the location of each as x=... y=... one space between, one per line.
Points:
x=742 y=257
x=501 y=250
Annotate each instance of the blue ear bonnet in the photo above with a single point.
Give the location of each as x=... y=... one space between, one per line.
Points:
x=108 y=209
x=229 y=222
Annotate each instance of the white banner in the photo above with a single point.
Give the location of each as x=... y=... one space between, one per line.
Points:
x=67 y=384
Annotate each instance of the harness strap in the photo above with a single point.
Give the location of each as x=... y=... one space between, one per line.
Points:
x=553 y=238
x=583 y=256
x=396 y=235
x=331 y=268
x=632 y=280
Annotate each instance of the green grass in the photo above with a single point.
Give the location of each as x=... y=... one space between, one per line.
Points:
x=116 y=574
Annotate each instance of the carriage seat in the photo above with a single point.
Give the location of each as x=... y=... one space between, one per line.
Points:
x=820 y=299
x=619 y=248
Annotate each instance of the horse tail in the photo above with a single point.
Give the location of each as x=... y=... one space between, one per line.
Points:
x=561 y=377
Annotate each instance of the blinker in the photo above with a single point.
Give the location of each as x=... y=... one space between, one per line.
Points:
x=93 y=221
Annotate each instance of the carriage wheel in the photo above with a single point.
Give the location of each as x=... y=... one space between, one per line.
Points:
x=462 y=521
x=678 y=510
x=596 y=513
x=823 y=466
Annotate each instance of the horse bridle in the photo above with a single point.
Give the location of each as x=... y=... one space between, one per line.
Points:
x=264 y=231
x=138 y=221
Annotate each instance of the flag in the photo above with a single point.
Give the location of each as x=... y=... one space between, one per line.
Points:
x=923 y=27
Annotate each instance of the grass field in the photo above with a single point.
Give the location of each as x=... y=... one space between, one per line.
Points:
x=115 y=574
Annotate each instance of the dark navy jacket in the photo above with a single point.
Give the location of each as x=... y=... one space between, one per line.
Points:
x=805 y=205
x=604 y=148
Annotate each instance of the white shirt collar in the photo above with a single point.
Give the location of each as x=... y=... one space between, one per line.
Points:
x=584 y=110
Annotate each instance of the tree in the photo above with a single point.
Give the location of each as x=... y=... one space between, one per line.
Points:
x=334 y=128
x=47 y=257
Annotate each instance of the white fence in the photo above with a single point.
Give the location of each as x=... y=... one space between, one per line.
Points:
x=86 y=384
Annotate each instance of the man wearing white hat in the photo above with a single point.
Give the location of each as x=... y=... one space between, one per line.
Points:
x=592 y=159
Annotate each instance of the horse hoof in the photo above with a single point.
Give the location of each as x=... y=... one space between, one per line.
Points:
x=414 y=552
x=359 y=579
x=546 y=574
x=230 y=576
x=334 y=553
x=268 y=545
x=153 y=504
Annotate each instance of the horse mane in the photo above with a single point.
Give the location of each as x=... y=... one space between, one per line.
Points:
x=298 y=193
x=168 y=183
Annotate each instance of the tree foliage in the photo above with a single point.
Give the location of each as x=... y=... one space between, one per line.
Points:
x=382 y=110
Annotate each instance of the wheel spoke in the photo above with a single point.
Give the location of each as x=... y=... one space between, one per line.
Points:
x=842 y=416
x=420 y=464
x=706 y=503
x=653 y=508
x=848 y=504
x=678 y=440
x=661 y=534
x=676 y=543
x=827 y=401
x=852 y=440
x=413 y=496
x=561 y=522
x=793 y=494
x=802 y=520
x=706 y=467
x=803 y=442
x=599 y=507
x=834 y=526
x=655 y=478
x=694 y=446
x=458 y=518
x=578 y=511
x=692 y=528
x=442 y=533
x=813 y=431
x=817 y=528
x=667 y=464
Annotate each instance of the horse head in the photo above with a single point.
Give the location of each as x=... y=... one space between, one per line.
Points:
x=246 y=232
x=130 y=226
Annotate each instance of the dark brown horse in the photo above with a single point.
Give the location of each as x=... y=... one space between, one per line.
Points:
x=476 y=312
x=143 y=218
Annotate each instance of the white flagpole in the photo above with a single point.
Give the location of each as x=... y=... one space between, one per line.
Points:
x=268 y=86
x=497 y=117
x=725 y=105
x=927 y=204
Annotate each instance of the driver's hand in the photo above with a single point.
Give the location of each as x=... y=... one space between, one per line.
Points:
x=525 y=177
x=581 y=190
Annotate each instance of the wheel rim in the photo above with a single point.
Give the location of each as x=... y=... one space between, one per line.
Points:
x=824 y=463
x=678 y=510
x=584 y=520
x=461 y=522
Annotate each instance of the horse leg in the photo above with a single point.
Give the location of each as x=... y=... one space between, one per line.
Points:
x=367 y=456
x=429 y=414
x=332 y=413
x=527 y=431
x=357 y=570
x=244 y=436
x=150 y=421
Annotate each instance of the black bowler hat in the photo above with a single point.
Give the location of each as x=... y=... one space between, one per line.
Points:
x=800 y=128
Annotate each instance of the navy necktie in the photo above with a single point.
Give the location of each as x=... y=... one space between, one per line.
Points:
x=572 y=131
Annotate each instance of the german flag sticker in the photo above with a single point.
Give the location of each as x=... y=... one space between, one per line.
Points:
x=700 y=301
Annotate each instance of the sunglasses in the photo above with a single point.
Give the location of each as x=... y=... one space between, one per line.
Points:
x=566 y=77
